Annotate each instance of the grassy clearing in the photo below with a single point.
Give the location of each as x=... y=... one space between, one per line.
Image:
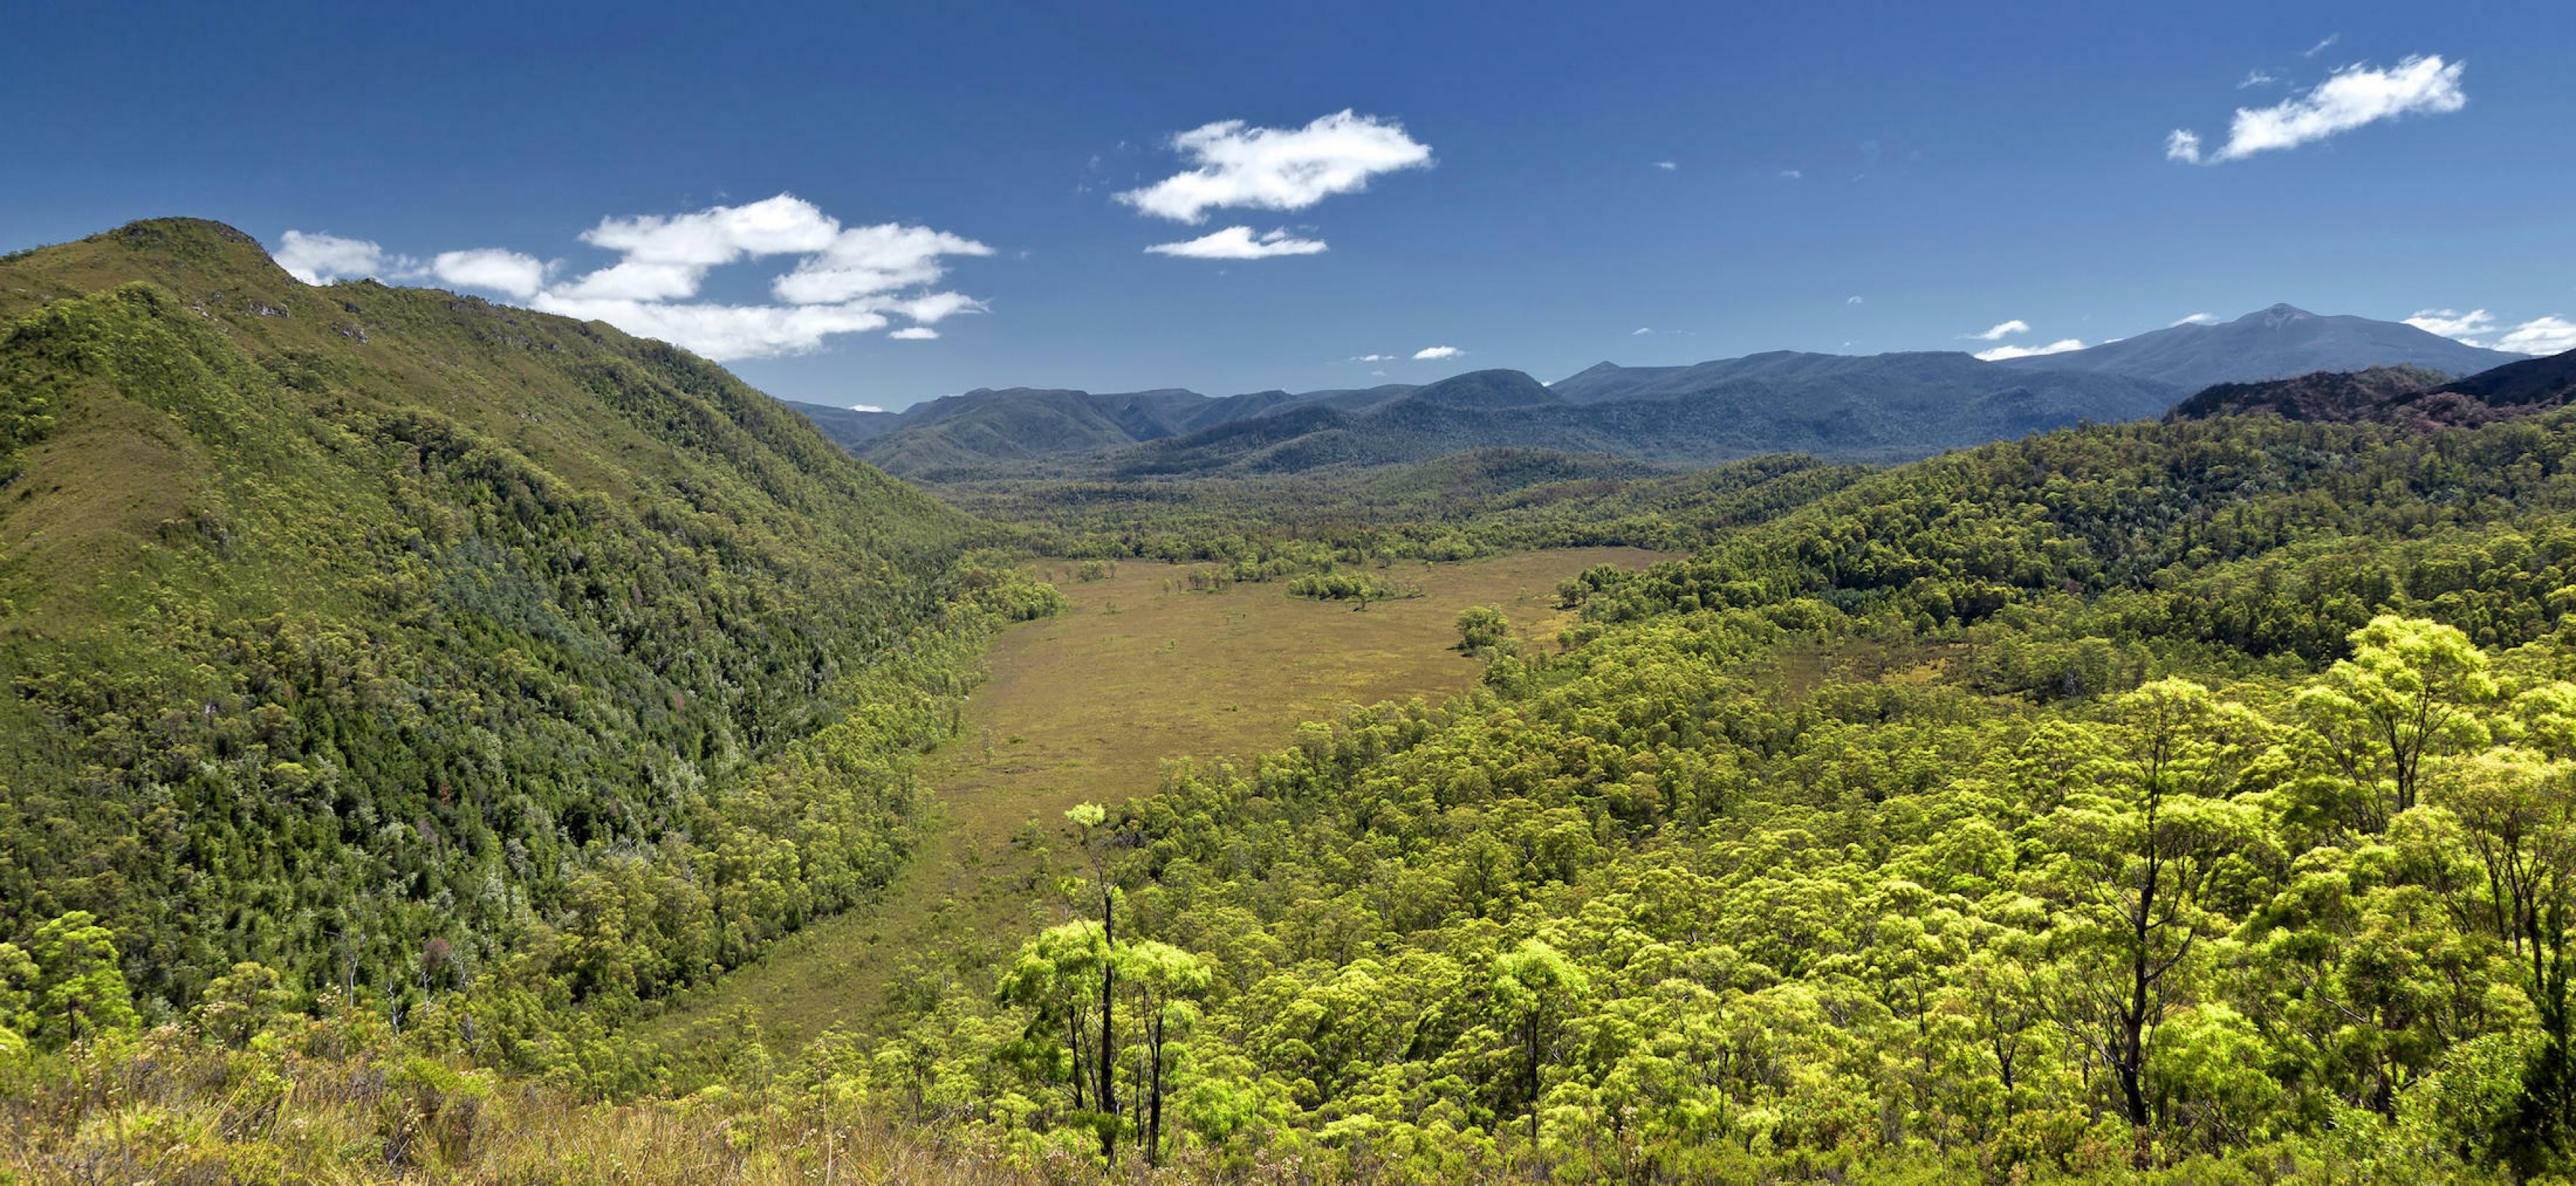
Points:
x=1087 y=706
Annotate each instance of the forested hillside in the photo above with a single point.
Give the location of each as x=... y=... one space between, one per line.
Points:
x=2191 y=797
x=392 y=640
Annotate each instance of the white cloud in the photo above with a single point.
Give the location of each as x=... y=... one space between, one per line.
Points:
x=492 y=269
x=865 y=408
x=2540 y=335
x=2451 y=323
x=1793 y=174
x=1667 y=166
x=846 y=279
x=1851 y=300
x=2321 y=46
x=914 y=333
x=323 y=259
x=1430 y=353
x=2255 y=78
x=1278 y=168
x=2196 y=319
x=1640 y=331
x=1374 y=358
x=1238 y=242
x=783 y=225
x=2000 y=353
x=2002 y=330
x=2352 y=97
x=870 y=259
x=721 y=331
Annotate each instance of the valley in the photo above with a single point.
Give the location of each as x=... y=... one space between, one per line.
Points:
x=449 y=741
x=1087 y=706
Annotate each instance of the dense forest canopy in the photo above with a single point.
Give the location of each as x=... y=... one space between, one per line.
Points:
x=379 y=635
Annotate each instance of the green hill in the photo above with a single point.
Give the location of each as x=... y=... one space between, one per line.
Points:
x=383 y=635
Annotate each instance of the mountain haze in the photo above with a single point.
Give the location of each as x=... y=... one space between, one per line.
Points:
x=1877 y=407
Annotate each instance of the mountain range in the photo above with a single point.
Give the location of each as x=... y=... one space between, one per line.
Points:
x=1881 y=407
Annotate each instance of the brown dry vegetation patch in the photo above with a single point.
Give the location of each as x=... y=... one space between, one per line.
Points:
x=1087 y=706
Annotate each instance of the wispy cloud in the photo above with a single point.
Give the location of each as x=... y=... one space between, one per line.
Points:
x=2000 y=353
x=1793 y=174
x=1238 y=165
x=2257 y=77
x=1374 y=358
x=2353 y=97
x=2196 y=319
x=914 y=333
x=2477 y=327
x=1238 y=242
x=2001 y=330
x=1434 y=353
x=2540 y=335
x=1641 y=331
x=865 y=408
x=847 y=279
x=1851 y=300
x=2451 y=323
x=2321 y=46
x=1667 y=166
x=318 y=258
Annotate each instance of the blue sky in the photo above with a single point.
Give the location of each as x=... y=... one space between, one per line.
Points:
x=956 y=170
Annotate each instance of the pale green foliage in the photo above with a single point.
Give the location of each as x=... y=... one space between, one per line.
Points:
x=80 y=985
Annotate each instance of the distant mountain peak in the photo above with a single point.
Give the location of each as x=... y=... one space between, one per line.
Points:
x=2279 y=314
x=2279 y=342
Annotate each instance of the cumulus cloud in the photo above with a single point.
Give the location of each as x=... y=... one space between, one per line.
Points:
x=871 y=259
x=1431 y=353
x=2353 y=97
x=1238 y=242
x=2196 y=319
x=322 y=258
x=914 y=333
x=492 y=269
x=720 y=331
x=845 y=280
x=1374 y=358
x=2001 y=330
x=2000 y=353
x=2540 y=335
x=1238 y=165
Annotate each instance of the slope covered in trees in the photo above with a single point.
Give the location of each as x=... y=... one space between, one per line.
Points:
x=2190 y=797
x=2410 y=397
x=385 y=637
